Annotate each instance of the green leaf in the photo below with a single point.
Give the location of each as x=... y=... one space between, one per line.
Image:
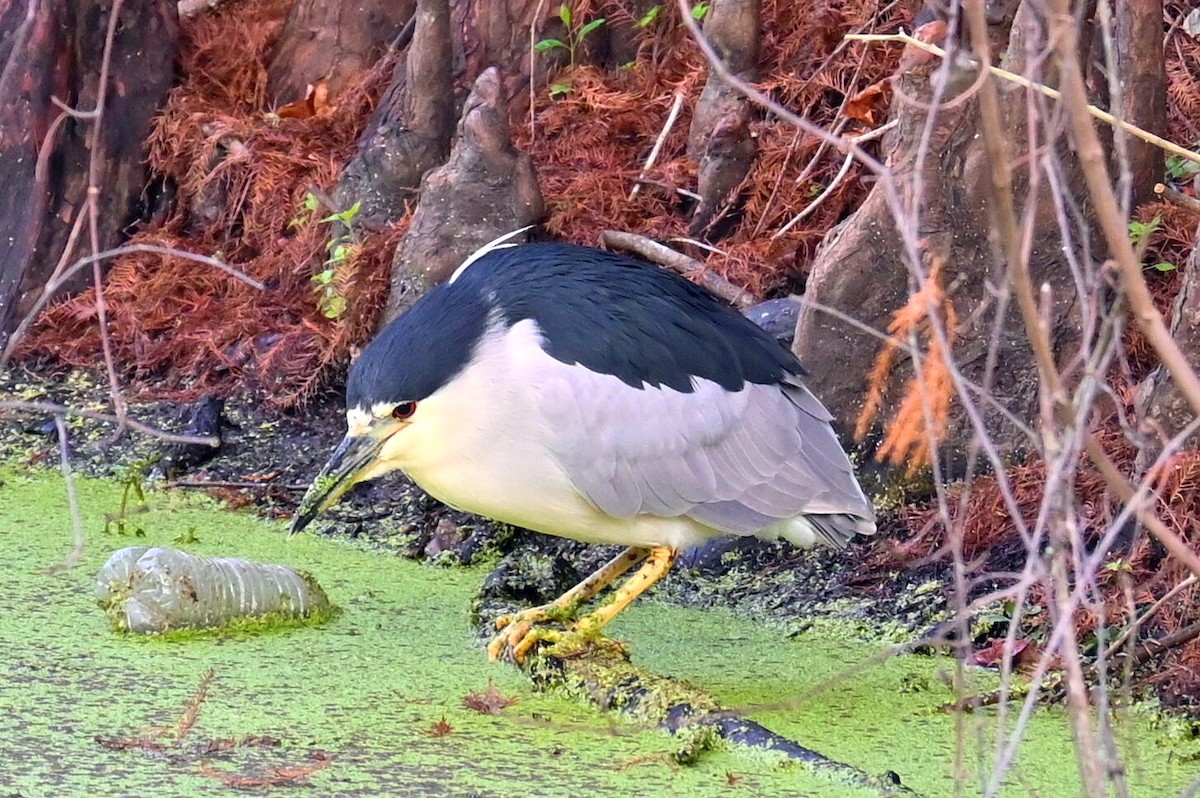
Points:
x=564 y=14
x=333 y=306
x=699 y=11
x=548 y=44
x=588 y=28
x=311 y=203
x=559 y=89
x=1139 y=232
x=648 y=18
x=346 y=216
x=1164 y=266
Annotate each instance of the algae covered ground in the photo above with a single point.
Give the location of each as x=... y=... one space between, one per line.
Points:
x=372 y=702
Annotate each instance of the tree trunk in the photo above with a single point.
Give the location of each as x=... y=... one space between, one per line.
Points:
x=1160 y=400
x=55 y=50
x=410 y=131
x=720 y=139
x=331 y=41
x=486 y=189
x=1142 y=70
x=863 y=271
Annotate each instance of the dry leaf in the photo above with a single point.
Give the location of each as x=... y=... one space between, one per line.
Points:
x=489 y=701
x=440 y=728
x=993 y=653
x=863 y=106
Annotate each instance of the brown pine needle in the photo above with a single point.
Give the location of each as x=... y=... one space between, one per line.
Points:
x=928 y=396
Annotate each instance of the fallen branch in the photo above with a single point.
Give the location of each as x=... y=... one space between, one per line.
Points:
x=205 y=484
x=604 y=677
x=678 y=262
x=1177 y=198
x=52 y=408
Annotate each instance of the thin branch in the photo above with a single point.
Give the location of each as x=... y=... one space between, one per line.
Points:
x=93 y=213
x=64 y=410
x=52 y=287
x=760 y=99
x=676 y=107
x=841 y=174
x=1053 y=94
x=1141 y=620
x=1119 y=485
x=76 y=554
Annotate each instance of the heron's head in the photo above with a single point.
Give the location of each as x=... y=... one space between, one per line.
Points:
x=395 y=394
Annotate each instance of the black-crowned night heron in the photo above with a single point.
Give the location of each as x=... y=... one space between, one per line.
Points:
x=589 y=395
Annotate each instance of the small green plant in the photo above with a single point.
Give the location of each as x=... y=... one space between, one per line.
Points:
x=649 y=17
x=131 y=487
x=1140 y=232
x=1180 y=168
x=307 y=209
x=341 y=249
x=1139 y=236
x=575 y=39
x=700 y=11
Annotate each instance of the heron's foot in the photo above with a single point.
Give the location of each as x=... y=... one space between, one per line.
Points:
x=514 y=628
x=522 y=638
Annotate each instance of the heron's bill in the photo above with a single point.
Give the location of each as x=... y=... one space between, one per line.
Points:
x=348 y=461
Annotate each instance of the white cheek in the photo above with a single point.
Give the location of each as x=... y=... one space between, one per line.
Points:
x=394 y=453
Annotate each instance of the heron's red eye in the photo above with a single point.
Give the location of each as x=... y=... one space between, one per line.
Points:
x=404 y=411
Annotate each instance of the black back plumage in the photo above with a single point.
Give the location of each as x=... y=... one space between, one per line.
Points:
x=610 y=313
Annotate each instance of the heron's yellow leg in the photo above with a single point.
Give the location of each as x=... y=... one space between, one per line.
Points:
x=657 y=564
x=516 y=626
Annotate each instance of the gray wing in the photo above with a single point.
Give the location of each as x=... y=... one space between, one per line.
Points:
x=739 y=462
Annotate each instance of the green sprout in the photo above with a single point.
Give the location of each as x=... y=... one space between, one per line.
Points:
x=649 y=17
x=1139 y=236
x=574 y=40
x=341 y=250
x=700 y=11
x=1180 y=168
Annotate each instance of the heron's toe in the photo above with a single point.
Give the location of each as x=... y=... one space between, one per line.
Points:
x=517 y=637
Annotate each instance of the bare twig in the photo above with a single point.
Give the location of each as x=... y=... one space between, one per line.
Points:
x=760 y=99
x=76 y=554
x=1140 y=621
x=1054 y=94
x=537 y=17
x=676 y=106
x=54 y=285
x=64 y=410
x=677 y=261
x=1119 y=485
x=841 y=174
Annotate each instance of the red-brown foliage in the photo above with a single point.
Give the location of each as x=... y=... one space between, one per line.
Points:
x=241 y=177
